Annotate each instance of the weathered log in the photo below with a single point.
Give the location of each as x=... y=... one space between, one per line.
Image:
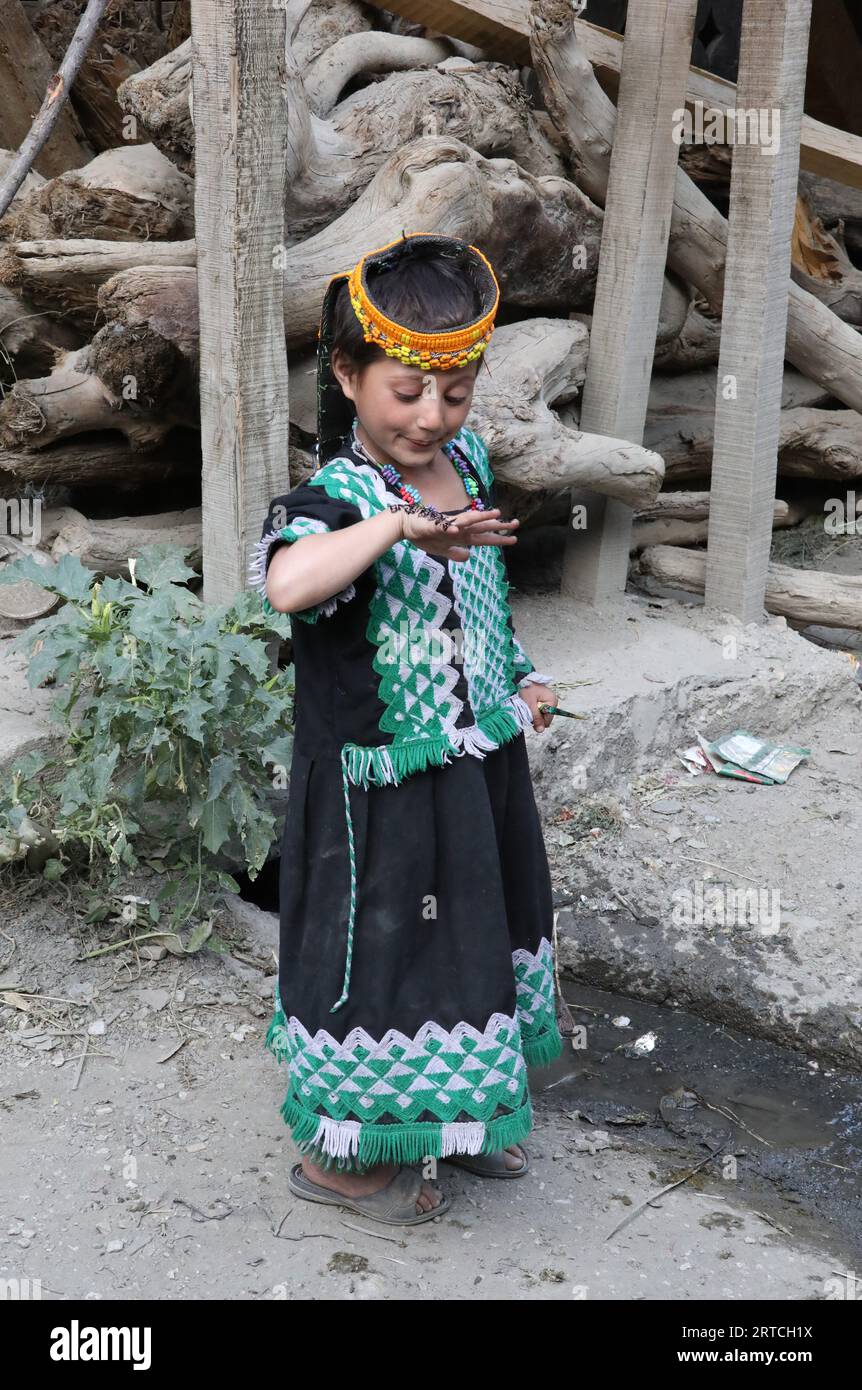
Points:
x=371 y=51
x=25 y=74
x=526 y=226
x=160 y=95
x=107 y=546
x=112 y=383
x=695 y=530
x=818 y=342
x=336 y=158
x=812 y=442
x=29 y=336
x=821 y=265
x=32 y=180
x=695 y=345
x=805 y=596
x=66 y=276
x=128 y=194
x=106 y=458
x=840 y=209
x=127 y=40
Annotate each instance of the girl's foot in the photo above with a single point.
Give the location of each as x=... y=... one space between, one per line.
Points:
x=360 y=1184
x=514 y=1156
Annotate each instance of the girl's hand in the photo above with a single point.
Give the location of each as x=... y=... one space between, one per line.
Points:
x=536 y=695
x=464 y=531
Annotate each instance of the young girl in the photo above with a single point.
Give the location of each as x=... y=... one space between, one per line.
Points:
x=416 y=978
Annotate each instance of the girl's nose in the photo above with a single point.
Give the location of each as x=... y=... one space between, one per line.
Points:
x=430 y=416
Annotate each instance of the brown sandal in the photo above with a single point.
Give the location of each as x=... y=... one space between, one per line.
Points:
x=394 y=1204
x=489 y=1165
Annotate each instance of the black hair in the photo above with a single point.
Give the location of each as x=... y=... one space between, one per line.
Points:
x=429 y=293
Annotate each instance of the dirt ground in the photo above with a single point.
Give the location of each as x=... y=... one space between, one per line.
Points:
x=157 y=1167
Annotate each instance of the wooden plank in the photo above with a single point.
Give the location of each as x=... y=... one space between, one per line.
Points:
x=501 y=29
x=240 y=166
x=772 y=62
x=630 y=275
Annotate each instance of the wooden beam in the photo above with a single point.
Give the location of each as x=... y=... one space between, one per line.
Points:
x=763 y=183
x=630 y=275
x=501 y=29
x=241 y=163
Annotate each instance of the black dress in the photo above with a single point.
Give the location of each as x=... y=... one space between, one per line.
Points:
x=452 y=990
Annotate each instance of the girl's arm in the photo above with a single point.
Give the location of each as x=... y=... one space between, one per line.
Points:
x=310 y=569
x=313 y=568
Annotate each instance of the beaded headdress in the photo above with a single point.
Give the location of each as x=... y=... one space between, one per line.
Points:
x=437 y=352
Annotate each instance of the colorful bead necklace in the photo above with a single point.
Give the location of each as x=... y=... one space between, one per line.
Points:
x=411 y=494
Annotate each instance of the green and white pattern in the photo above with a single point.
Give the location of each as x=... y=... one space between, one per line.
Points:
x=362 y=1097
x=408 y=607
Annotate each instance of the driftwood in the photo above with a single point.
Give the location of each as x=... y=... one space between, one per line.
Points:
x=128 y=194
x=666 y=530
x=805 y=596
x=336 y=157
x=66 y=275
x=818 y=342
x=160 y=95
x=821 y=264
x=107 y=546
x=26 y=71
x=107 y=458
x=30 y=335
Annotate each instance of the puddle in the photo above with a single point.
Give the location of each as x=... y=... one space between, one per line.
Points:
x=800 y=1128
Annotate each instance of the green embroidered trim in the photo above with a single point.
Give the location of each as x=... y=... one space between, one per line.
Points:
x=539 y=1052
x=391 y=762
x=405 y=1143
x=359 y=1101
x=536 y=1004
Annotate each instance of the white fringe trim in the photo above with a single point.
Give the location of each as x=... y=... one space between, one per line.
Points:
x=340 y=1138
x=465 y=1138
x=522 y=711
x=257 y=562
x=257 y=573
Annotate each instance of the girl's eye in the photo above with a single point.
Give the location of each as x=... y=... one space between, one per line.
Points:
x=450 y=399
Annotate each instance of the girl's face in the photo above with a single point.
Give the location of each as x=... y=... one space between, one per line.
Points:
x=405 y=413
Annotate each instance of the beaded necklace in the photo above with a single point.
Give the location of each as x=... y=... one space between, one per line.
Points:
x=411 y=494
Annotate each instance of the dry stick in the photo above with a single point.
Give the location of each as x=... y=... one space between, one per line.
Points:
x=52 y=105
x=731 y=1115
x=649 y=1201
x=693 y=859
x=81 y=1061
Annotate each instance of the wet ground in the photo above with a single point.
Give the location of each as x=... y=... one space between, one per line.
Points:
x=793 y=1126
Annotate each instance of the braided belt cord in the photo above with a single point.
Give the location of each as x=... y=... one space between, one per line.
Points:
x=345 y=989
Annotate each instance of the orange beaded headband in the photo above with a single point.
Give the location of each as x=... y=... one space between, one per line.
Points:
x=434 y=351
x=430 y=351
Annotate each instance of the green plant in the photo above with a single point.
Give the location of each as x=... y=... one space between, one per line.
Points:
x=169 y=714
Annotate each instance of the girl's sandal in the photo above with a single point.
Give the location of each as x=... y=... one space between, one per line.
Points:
x=489 y=1165
x=393 y=1205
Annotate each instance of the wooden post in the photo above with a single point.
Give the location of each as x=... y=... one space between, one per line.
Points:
x=763 y=183
x=632 y=258
x=241 y=158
